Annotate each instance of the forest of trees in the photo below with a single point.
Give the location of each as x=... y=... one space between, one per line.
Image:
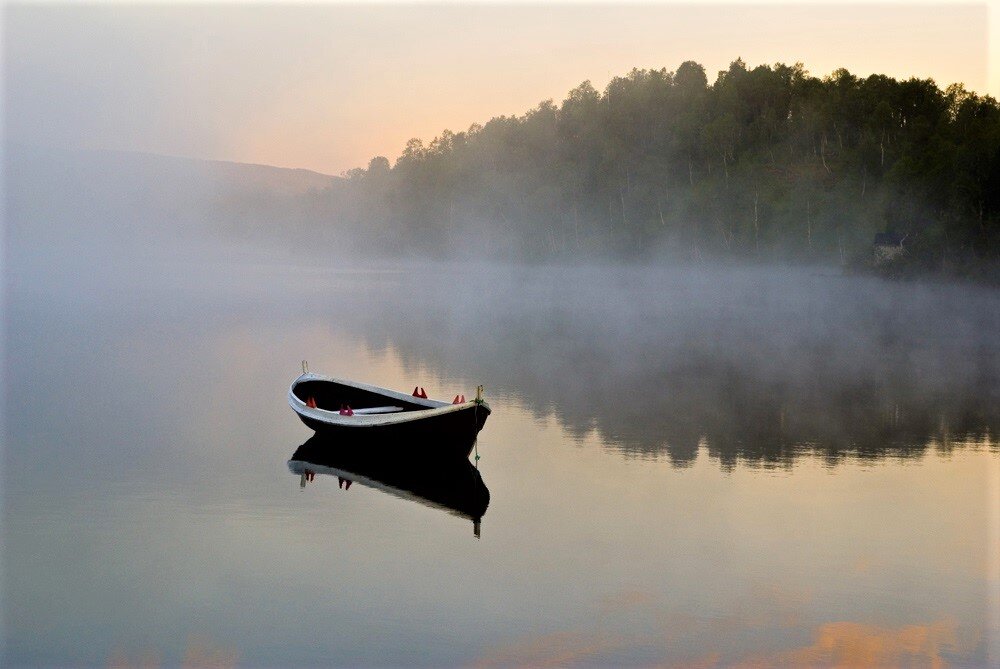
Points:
x=767 y=163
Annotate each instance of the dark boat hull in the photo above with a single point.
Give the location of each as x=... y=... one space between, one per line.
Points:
x=447 y=435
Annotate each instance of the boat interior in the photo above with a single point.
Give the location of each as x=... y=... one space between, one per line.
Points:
x=332 y=396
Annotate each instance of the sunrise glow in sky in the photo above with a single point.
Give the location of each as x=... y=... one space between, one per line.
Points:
x=326 y=87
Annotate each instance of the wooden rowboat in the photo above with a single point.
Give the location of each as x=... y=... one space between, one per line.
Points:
x=352 y=409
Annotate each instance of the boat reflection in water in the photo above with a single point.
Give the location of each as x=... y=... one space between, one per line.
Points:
x=451 y=484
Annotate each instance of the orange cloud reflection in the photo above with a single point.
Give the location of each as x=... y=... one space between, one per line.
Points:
x=834 y=644
x=200 y=653
x=847 y=644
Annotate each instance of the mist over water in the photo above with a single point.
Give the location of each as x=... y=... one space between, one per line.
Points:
x=756 y=363
x=700 y=464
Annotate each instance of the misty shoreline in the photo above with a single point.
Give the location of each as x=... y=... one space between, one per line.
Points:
x=92 y=204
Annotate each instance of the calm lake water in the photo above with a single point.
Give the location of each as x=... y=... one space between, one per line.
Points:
x=688 y=468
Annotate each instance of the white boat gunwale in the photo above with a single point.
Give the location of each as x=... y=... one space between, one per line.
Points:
x=434 y=407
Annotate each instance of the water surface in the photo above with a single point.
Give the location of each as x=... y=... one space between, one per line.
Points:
x=686 y=468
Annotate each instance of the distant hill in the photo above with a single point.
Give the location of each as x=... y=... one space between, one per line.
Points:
x=266 y=178
x=93 y=198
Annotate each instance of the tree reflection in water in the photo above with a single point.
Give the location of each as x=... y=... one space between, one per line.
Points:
x=758 y=365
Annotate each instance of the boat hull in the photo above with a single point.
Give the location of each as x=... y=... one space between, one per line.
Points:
x=444 y=435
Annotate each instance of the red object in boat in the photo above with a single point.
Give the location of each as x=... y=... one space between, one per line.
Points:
x=311 y=402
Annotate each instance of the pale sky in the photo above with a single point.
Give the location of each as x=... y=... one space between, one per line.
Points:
x=326 y=87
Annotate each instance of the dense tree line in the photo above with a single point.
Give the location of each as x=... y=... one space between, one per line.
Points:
x=768 y=163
